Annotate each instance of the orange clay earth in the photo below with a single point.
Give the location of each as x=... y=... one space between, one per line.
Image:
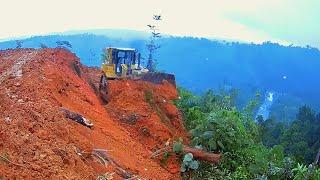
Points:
x=38 y=142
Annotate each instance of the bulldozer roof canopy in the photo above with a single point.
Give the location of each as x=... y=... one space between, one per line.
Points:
x=122 y=49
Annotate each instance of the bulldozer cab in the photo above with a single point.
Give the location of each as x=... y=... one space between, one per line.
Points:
x=120 y=62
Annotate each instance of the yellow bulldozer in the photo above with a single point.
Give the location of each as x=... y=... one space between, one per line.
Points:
x=124 y=63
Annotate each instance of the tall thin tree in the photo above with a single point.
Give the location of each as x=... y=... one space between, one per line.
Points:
x=152 y=45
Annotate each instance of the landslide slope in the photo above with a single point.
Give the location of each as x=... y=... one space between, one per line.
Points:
x=37 y=141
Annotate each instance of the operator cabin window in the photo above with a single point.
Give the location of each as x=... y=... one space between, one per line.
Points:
x=121 y=60
x=121 y=56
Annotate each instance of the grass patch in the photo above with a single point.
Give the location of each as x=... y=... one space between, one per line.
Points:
x=163 y=117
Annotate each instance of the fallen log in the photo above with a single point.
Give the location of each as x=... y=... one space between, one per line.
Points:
x=203 y=155
x=197 y=154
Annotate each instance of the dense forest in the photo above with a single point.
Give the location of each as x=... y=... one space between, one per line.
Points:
x=262 y=149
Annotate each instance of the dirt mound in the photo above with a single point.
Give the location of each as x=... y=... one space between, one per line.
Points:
x=146 y=110
x=37 y=141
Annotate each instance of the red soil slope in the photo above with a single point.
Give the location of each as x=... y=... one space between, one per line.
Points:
x=37 y=141
x=147 y=112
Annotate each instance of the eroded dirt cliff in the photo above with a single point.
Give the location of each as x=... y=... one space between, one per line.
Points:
x=38 y=141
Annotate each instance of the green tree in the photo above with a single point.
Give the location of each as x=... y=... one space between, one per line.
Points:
x=301 y=139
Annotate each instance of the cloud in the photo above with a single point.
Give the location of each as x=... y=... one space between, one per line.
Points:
x=245 y=20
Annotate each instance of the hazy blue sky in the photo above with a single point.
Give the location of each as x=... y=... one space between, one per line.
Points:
x=286 y=21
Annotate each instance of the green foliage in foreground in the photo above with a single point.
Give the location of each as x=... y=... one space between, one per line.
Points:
x=217 y=126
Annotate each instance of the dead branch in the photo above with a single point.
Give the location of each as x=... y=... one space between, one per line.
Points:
x=2 y=131
x=133 y=178
x=10 y=162
x=105 y=159
x=159 y=151
x=120 y=171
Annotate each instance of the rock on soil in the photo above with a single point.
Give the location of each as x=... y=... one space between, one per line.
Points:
x=38 y=142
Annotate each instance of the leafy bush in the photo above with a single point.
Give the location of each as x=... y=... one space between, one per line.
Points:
x=189 y=163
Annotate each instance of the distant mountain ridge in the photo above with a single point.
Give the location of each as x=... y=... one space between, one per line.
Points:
x=200 y=64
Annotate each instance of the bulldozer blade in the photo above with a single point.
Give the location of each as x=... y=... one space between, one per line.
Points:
x=158 y=78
